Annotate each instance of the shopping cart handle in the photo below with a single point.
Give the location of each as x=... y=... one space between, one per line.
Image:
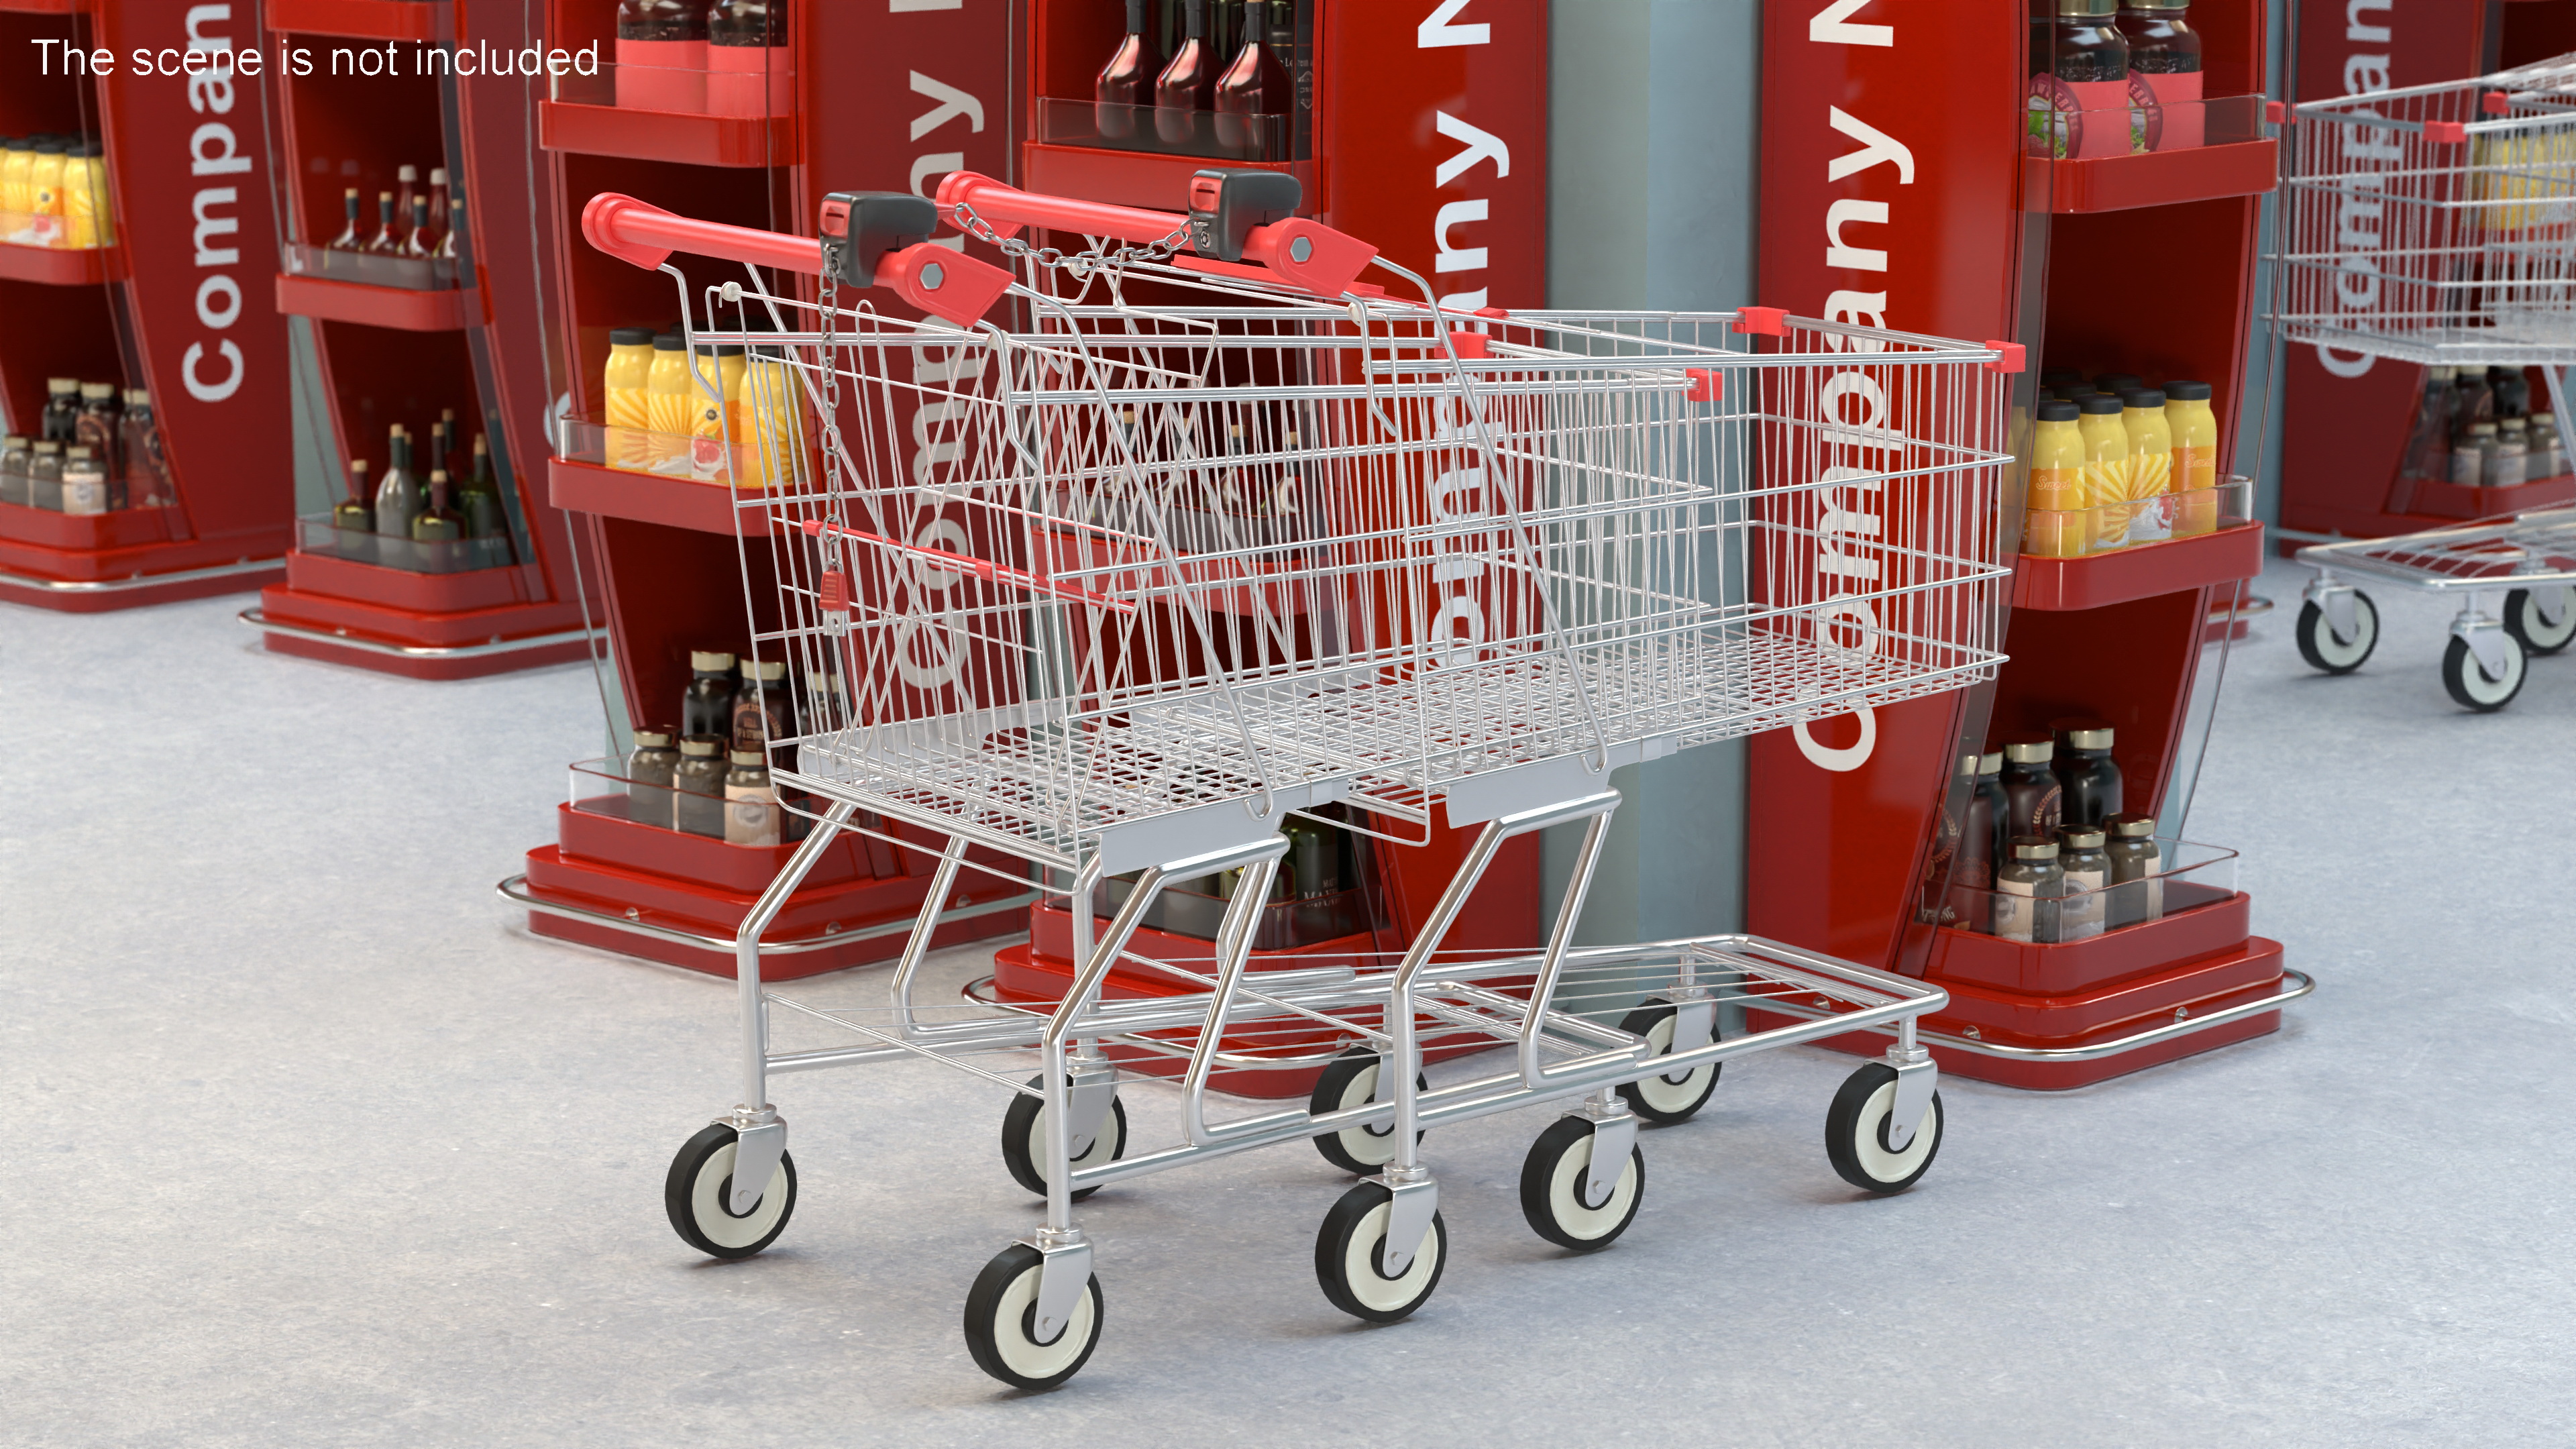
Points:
x=943 y=283
x=1298 y=250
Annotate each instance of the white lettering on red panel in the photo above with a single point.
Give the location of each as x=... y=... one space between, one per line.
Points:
x=213 y=150
x=2357 y=216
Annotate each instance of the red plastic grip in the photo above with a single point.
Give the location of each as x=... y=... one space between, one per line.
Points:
x=646 y=235
x=1762 y=321
x=943 y=283
x=1470 y=345
x=1707 y=384
x=1007 y=209
x=835 y=591
x=2275 y=112
x=2011 y=361
x=2495 y=103
x=2446 y=133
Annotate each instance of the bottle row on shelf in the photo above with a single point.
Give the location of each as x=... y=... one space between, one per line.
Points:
x=425 y=523
x=710 y=775
x=413 y=243
x=2115 y=463
x=1236 y=83
x=2474 y=427
x=741 y=420
x=53 y=192
x=98 y=450
x=729 y=58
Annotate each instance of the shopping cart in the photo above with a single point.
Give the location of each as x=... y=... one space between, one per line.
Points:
x=1211 y=535
x=2437 y=225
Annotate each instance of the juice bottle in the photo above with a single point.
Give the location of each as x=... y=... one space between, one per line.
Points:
x=45 y=193
x=770 y=421
x=17 y=153
x=2164 y=58
x=630 y=361
x=2054 y=526
x=670 y=405
x=2107 y=470
x=86 y=218
x=722 y=368
x=2195 y=457
x=2142 y=417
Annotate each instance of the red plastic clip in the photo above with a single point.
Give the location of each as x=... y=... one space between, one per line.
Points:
x=836 y=592
x=1470 y=344
x=1762 y=321
x=2011 y=361
x=2446 y=133
x=2276 y=113
x=945 y=284
x=1707 y=384
x=2495 y=103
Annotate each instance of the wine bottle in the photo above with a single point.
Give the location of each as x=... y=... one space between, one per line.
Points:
x=406 y=187
x=418 y=244
x=1253 y=99
x=438 y=207
x=398 y=496
x=147 y=464
x=439 y=522
x=1127 y=81
x=1187 y=84
x=99 y=428
x=357 y=512
x=387 y=242
x=455 y=224
x=348 y=240
x=481 y=502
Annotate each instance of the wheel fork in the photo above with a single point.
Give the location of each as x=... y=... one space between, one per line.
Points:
x=1916 y=1077
x=2336 y=602
x=2481 y=627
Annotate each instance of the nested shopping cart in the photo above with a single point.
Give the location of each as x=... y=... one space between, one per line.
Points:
x=1210 y=534
x=2437 y=225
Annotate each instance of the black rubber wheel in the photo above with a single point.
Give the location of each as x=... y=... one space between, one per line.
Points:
x=1022 y=1142
x=1349 y=1080
x=2319 y=646
x=2538 y=636
x=1856 y=1133
x=1667 y=1099
x=1001 y=1323
x=2471 y=686
x=1552 y=1180
x=1350 y=1258
x=694 y=1193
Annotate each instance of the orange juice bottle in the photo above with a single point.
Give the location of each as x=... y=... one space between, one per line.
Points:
x=87 y=220
x=630 y=359
x=15 y=162
x=670 y=406
x=2107 y=470
x=721 y=368
x=2195 y=456
x=2055 y=525
x=2142 y=417
x=45 y=193
x=769 y=425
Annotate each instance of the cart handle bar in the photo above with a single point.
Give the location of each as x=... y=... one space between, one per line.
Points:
x=1235 y=215
x=984 y=569
x=944 y=283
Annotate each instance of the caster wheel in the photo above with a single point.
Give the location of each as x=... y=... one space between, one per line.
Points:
x=1552 y=1181
x=1675 y=1096
x=1024 y=1142
x=1856 y=1133
x=2522 y=620
x=700 y=1182
x=1002 y=1322
x=1349 y=1081
x=2319 y=646
x=1350 y=1261
x=2471 y=686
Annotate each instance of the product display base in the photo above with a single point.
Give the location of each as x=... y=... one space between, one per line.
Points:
x=124 y=560
x=419 y=625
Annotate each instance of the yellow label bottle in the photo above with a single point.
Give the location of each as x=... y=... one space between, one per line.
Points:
x=630 y=360
x=2142 y=417
x=45 y=194
x=721 y=368
x=769 y=422
x=2054 y=525
x=14 y=205
x=670 y=403
x=2195 y=457
x=88 y=220
x=2107 y=471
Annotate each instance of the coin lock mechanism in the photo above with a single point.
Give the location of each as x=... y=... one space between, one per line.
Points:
x=1225 y=206
x=860 y=227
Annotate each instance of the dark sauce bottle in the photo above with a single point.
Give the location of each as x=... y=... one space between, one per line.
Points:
x=2086 y=772
x=2032 y=796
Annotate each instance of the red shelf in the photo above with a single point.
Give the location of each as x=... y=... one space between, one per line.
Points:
x=38 y=7
x=577 y=487
x=2216 y=923
x=666 y=135
x=361 y=19
x=122 y=528
x=61 y=266
x=450 y=309
x=1140 y=178
x=2140 y=572
x=2157 y=178
x=2452 y=502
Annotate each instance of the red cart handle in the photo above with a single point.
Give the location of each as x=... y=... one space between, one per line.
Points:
x=941 y=282
x=1235 y=215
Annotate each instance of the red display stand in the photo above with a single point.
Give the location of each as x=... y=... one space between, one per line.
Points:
x=882 y=100
x=1896 y=192
x=2345 y=419
x=175 y=307
x=402 y=354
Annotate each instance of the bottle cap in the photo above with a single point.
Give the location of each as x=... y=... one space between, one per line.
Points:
x=630 y=337
x=138 y=397
x=2441 y=374
x=77 y=452
x=98 y=389
x=670 y=342
x=820 y=682
x=746 y=757
x=2029 y=752
x=385 y=198
x=2132 y=827
x=49 y=448
x=2544 y=420
x=2143 y=397
x=12 y=440
x=2113 y=382
x=2480 y=430
x=47 y=146
x=767 y=671
x=709 y=661
x=2081 y=837
x=767 y=349
x=653 y=739
x=2058 y=410
x=62 y=384
x=2100 y=404
x=437 y=475
x=357 y=465
x=406 y=173
x=728 y=349
x=699 y=747
x=2181 y=391
x=2033 y=847
x=1991 y=763
x=2088 y=739
x=438 y=176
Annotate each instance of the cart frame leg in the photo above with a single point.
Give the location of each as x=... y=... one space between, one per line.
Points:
x=760 y=1134
x=2480 y=625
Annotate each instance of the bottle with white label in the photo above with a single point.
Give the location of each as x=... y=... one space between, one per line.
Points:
x=751 y=802
x=2084 y=872
x=45 y=476
x=16 y=458
x=84 y=481
x=2026 y=891
x=2513 y=454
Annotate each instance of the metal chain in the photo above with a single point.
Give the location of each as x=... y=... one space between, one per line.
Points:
x=965 y=219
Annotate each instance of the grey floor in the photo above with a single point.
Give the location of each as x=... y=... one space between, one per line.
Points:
x=313 y=1145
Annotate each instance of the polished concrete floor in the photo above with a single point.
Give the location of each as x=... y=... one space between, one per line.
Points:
x=312 y=1144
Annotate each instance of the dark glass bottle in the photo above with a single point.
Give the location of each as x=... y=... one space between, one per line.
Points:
x=650 y=767
x=147 y=464
x=387 y=242
x=439 y=522
x=437 y=208
x=419 y=243
x=481 y=500
x=62 y=410
x=706 y=706
x=2032 y=796
x=760 y=707
x=348 y=240
x=2512 y=388
x=2085 y=876
x=398 y=495
x=406 y=189
x=101 y=429
x=16 y=457
x=2079 y=87
x=1127 y=81
x=1313 y=865
x=661 y=20
x=2137 y=862
x=2087 y=774
x=1188 y=84
x=357 y=512
x=747 y=22
x=2164 y=63
x=1255 y=85
x=698 y=806
x=2472 y=402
